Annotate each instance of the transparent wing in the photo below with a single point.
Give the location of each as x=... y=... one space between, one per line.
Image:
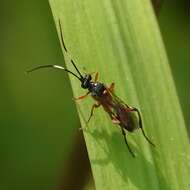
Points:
x=118 y=101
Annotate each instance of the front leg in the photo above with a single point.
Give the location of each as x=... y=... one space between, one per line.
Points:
x=82 y=97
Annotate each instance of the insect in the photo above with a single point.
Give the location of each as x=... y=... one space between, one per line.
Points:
x=127 y=117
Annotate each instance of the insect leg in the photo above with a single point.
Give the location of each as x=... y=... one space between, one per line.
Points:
x=111 y=88
x=92 y=110
x=113 y=117
x=82 y=97
x=96 y=77
x=141 y=125
x=124 y=134
x=115 y=120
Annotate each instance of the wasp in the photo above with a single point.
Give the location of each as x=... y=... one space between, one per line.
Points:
x=127 y=117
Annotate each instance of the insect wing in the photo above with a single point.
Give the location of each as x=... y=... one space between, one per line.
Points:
x=128 y=118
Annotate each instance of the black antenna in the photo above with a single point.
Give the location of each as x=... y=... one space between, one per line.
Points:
x=60 y=28
x=55 y=67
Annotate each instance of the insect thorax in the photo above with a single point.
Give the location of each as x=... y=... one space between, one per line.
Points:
x=97 y=89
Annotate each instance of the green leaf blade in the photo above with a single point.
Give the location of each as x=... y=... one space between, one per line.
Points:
x=121 y=40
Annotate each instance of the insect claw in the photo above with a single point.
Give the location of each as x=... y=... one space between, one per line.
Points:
x=75 y=99
x=133 y=154
x=83 y=128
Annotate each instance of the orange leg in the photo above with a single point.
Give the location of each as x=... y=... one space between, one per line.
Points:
x=82 y=97
x=111 y=88
x=91 y=114
x=112 y=116
x=92 y=110
x=96 y=77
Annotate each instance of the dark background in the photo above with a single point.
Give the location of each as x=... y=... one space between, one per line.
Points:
x=36 y=133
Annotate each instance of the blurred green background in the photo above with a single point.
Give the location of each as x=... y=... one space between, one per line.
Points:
x=38 y=119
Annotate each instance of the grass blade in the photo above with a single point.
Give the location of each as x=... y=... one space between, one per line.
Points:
x=121 y=40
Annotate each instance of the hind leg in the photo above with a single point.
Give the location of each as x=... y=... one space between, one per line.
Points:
x=125 y=139
x=140 y=124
